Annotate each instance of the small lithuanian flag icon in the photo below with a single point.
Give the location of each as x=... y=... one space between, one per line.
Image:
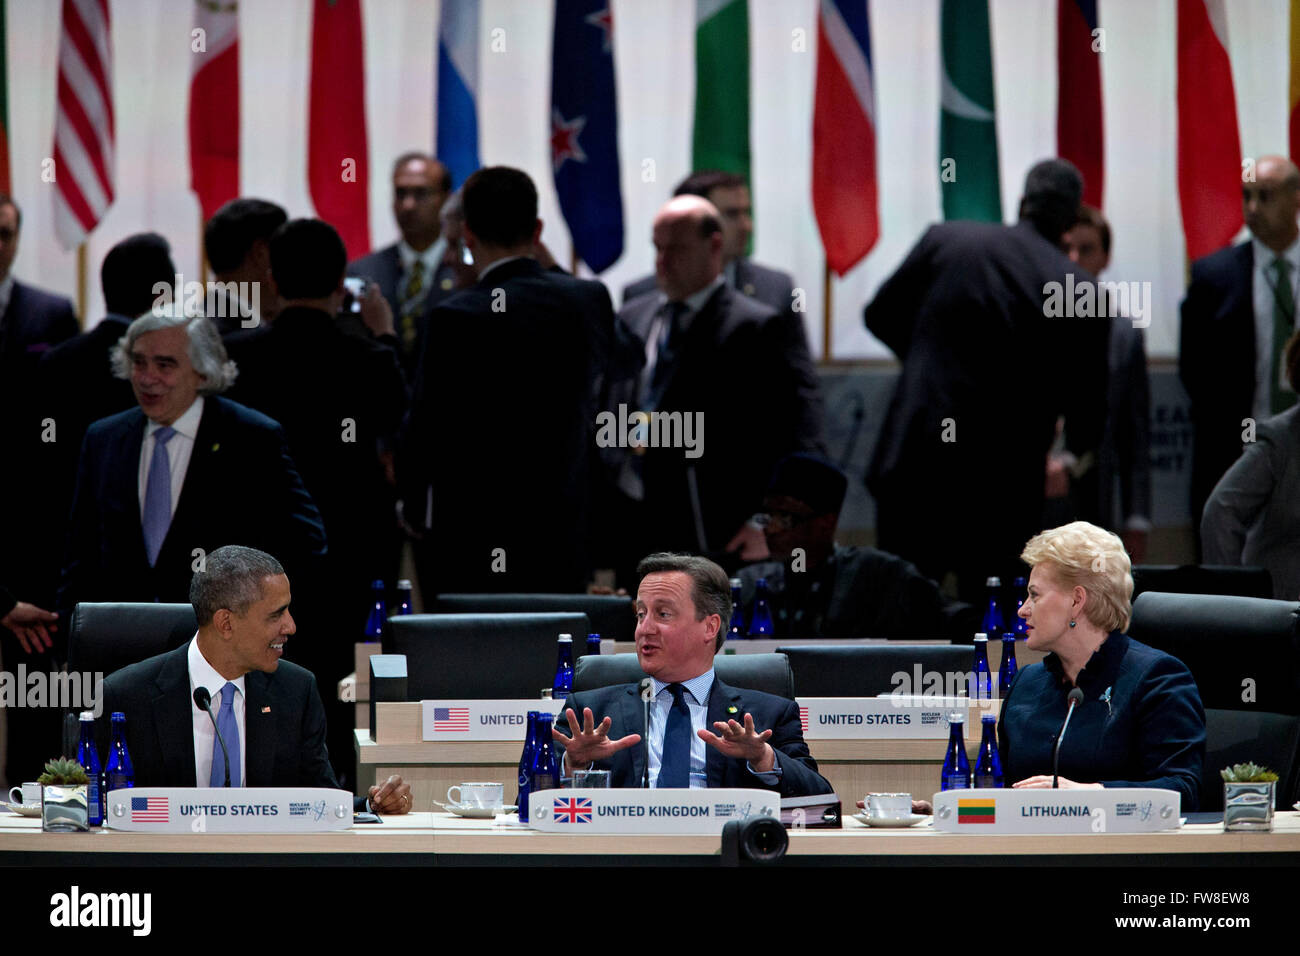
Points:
x=976 y=811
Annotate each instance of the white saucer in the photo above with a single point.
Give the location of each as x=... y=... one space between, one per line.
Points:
x=25 y=809
x=476 y=813
x=912 y=819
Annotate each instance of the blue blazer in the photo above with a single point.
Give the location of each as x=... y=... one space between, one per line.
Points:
x=241 y=487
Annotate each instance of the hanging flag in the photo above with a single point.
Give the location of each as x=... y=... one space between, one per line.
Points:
x=1293 y=100
x=844 y=135
x=968 y=136
x=214 y=104
x=458 y=88
x=1079 y=135
x=584 y=129
x=83 y=123
x=1209 y=149
x=338 y=170
x=721 y=137
x=6 y=185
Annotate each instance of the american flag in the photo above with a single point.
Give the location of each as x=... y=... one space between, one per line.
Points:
x=573 y=810
x=149 y=810
x=450 y=719
x=83 y=125
x=803 y=719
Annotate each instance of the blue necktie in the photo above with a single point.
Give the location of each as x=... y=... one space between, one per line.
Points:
x=229 y=731
x=653 y=388
x=675 y=762
x=158 y=495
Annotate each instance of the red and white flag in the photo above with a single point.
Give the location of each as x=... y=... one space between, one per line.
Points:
x=844 y=135
x=83 y=123
x=214 y=104
x=337 y=165
x=1209 y=148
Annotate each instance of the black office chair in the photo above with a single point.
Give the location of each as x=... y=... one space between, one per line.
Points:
x=1244 y=654
x=612 y=617
x=829 y=670
x=480 y=656
x=103 y=638
x=769 y=673
x=1202 y=579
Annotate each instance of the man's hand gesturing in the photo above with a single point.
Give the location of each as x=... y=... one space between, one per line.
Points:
x=590 y=743
x=742 y=742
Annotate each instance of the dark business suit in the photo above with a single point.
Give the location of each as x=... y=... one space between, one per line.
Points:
x=1216 y=361
x=775 y=289
x=1125 y=455
x=501 y=430
x=622 y=704
x=241 y=487
x=284 y=724
x=384 y=268
x=731 y=368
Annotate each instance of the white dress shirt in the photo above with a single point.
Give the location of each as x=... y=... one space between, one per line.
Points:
x=203 y=674
x=179 y=449
x=1263 y=281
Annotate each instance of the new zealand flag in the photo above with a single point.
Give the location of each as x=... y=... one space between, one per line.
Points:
x=584 y=130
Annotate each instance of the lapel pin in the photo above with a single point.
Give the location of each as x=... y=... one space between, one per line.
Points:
x=216 y=446
x=731 y=709
x=266 y=710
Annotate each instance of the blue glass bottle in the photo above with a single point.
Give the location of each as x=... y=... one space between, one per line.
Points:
x=593 y=645
x=544 y=774
x=119 y=773
x=378 y=613
x=981 y=677
x=88 y=757
x=956 y=766
x=525 y=764
x=760 y=621
x=993 y=625
x=1008 y=668
x=404 y=597
x=988 y=767
x=1018 y=626
x=737 y=628
x=562 y=686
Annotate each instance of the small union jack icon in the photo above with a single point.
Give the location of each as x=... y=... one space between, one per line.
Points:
x=573 y=810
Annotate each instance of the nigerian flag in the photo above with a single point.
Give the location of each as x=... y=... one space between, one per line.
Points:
x=968 y=136
x=721 y=138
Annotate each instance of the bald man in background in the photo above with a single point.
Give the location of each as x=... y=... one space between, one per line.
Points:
x=1236 y=318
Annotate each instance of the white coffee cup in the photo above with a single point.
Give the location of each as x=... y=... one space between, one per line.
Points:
x=28 y=795
x=889 y=806
x=483 y=796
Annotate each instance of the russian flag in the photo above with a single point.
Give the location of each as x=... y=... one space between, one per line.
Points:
x=844 y=135
x=458 y=88
x=584 y=129
x=1079 y=135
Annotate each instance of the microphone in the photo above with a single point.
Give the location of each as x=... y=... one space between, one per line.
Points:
x=203 y=700
x=644 y=689
x=1075 y=699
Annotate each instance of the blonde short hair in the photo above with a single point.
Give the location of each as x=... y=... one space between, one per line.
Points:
x=1080 y=554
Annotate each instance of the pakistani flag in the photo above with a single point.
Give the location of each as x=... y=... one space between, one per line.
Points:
x=968 y=137
x=721 y=139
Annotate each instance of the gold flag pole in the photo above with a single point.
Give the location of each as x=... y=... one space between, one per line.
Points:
x=81 y=284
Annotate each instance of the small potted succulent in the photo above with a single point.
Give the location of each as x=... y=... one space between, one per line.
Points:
x=1248 y=797
x=65 y=796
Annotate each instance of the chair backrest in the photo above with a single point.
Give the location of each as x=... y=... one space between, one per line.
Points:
x=611 y=616
x=1202 y=579
x=480 y=656
x=108 y=637
x=828 y=670
x=1244 y=654
x=769 y=673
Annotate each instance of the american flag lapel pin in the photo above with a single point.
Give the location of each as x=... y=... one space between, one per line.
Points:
x=266 y=709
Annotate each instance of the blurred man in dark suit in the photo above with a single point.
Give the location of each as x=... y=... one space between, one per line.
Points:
x=1236 y=319
x=161 y=485
x=730 y=195
x=957 y=472
x=411 y=273
x=713 y=358
x=496 y=461
x=237 y=241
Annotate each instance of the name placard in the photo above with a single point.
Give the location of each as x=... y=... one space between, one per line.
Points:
x=482 y=719
x=646 y=811
x=229 y=809
x=1128 y=810
x=913 y=717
